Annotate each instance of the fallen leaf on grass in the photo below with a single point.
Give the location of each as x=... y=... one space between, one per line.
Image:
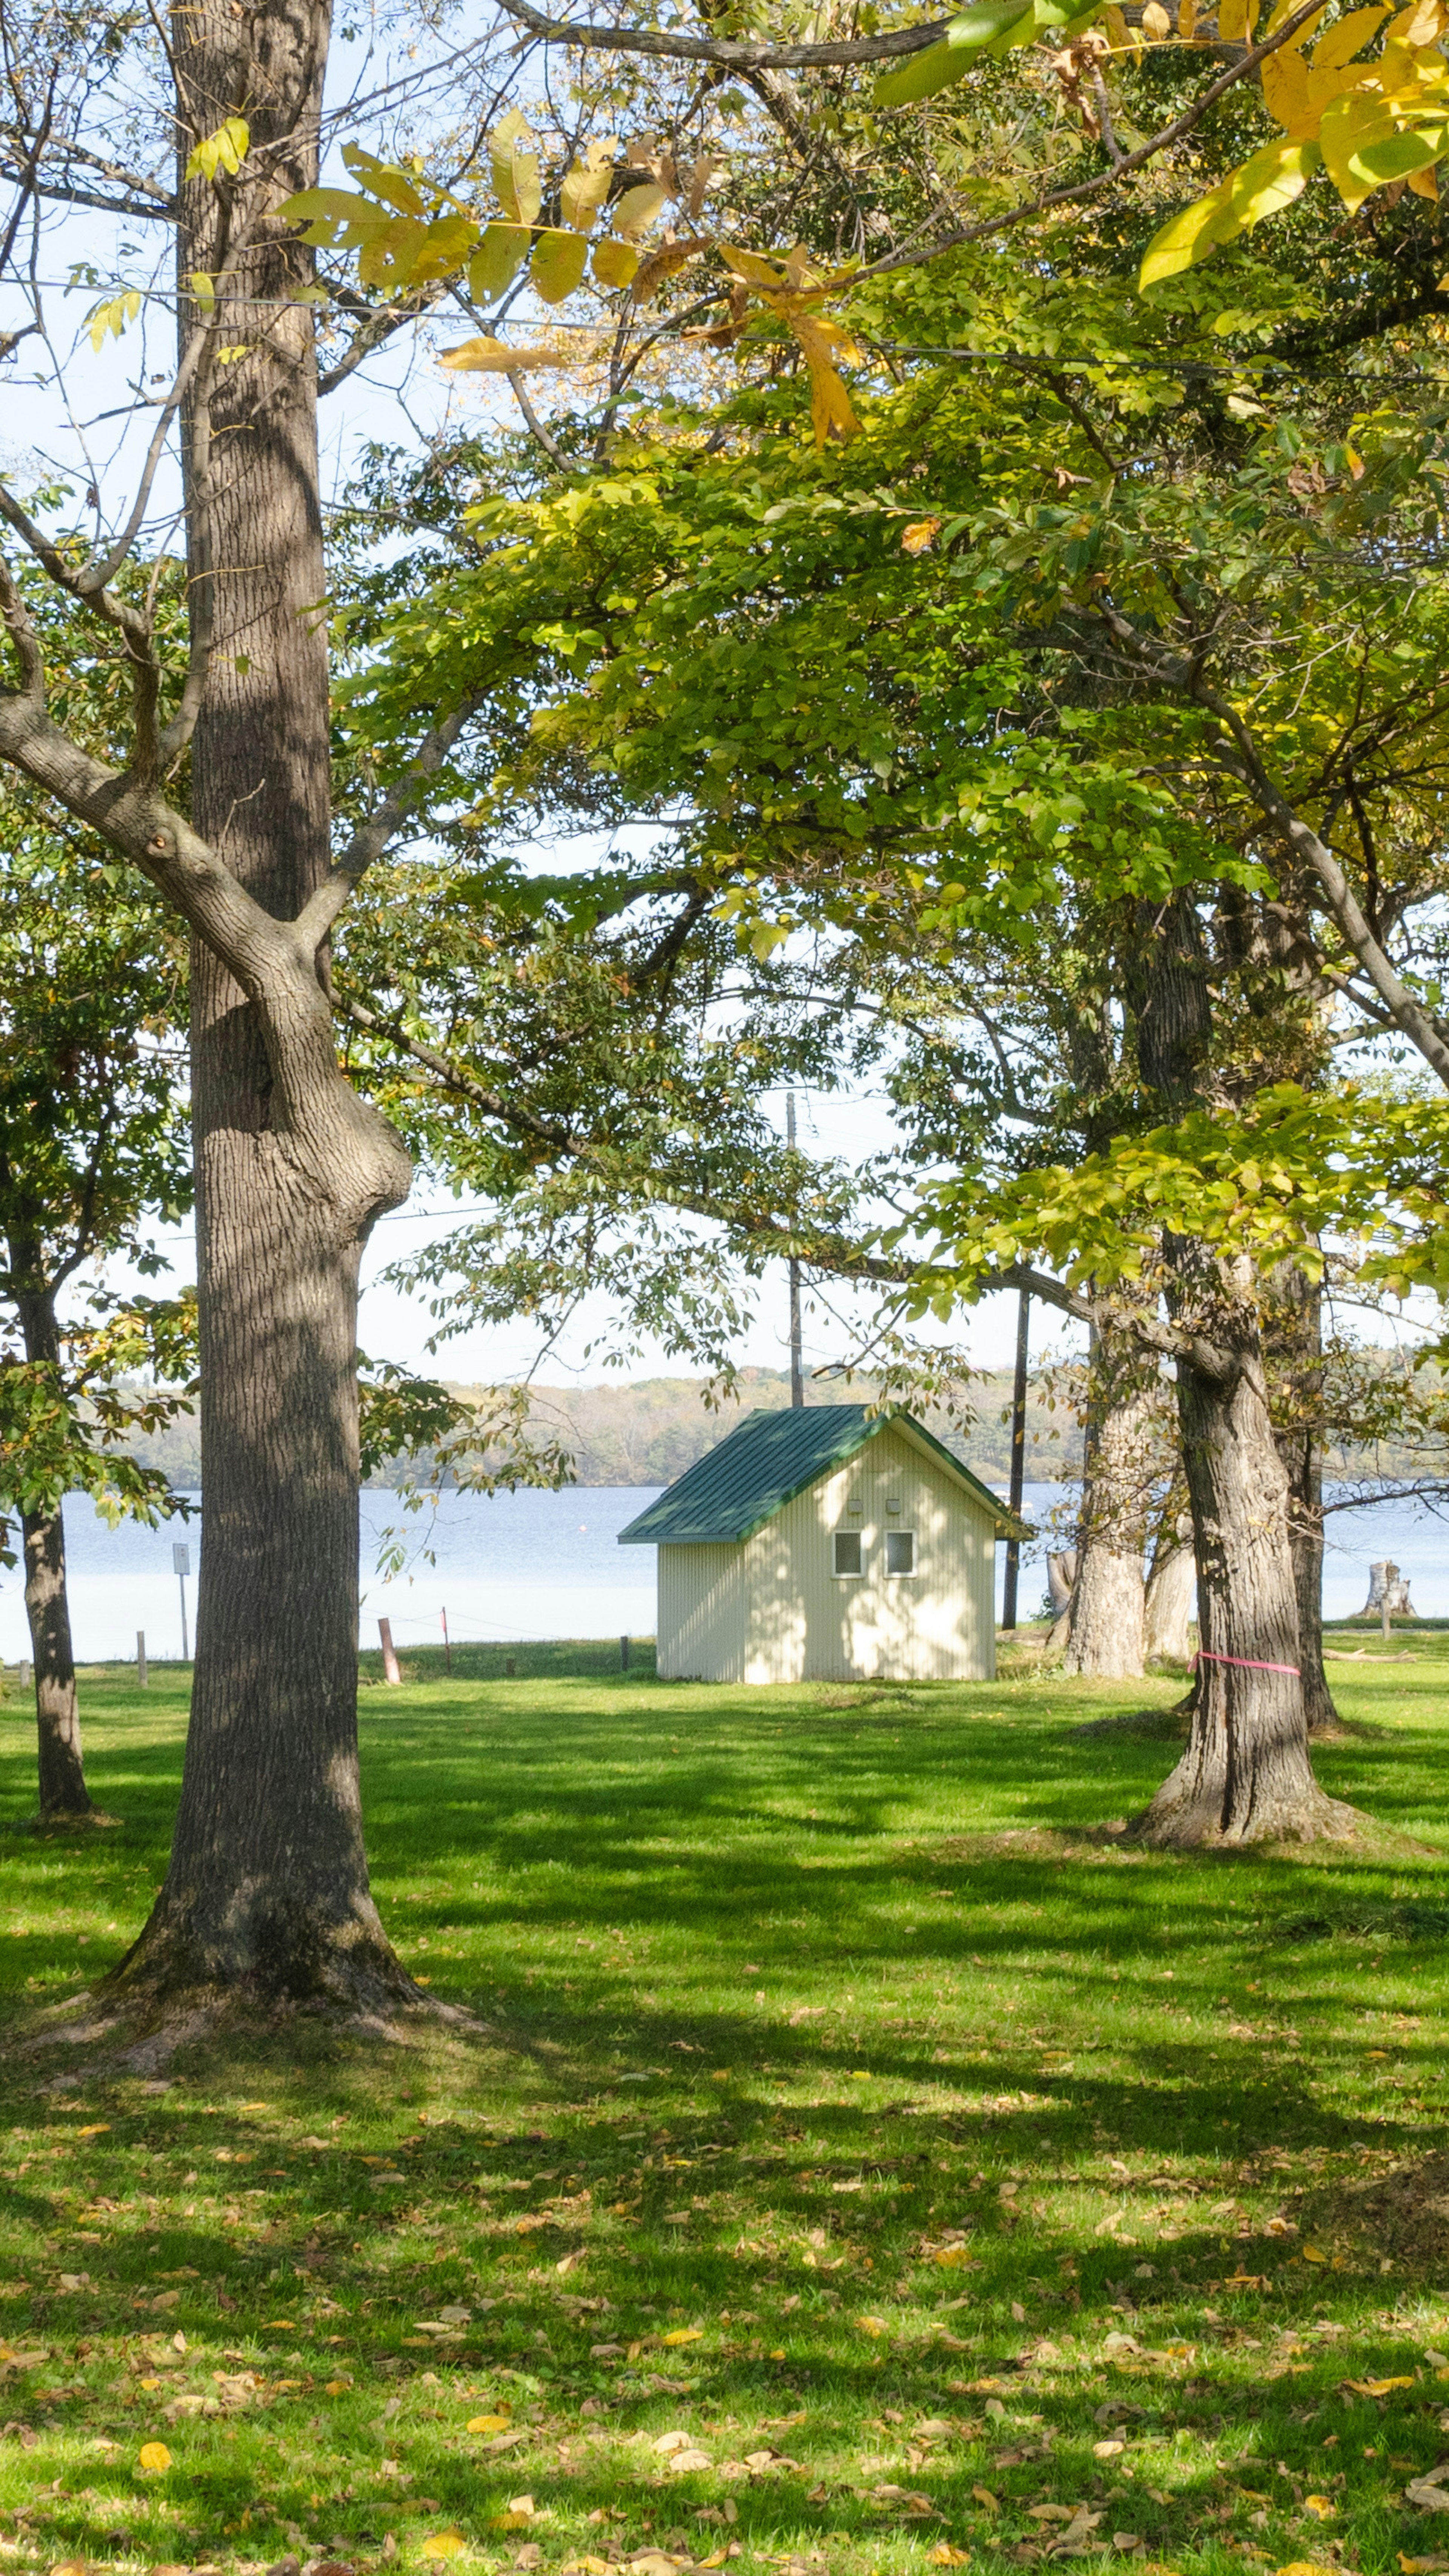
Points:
x=984 y=2497
x=1376 y=2387
x=872 y=2325
x=1303 y=2567
x=519 y=2510
x=154 y=2455
x=488 y=2423
x=1322 y=2508
x=685 y=2334
x=96 y=2129
x=1314 y=2254
x=587 y=2566
x=444 y=2544
x=1107 y=2450
x=944 y=2555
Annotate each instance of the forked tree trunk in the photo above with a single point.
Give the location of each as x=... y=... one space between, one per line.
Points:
x=64 y=1796
x=267 y=1891
x=1105 y=1635
x=1171 y=1594
x=1245 y=1776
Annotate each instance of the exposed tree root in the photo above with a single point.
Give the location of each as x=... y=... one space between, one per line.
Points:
x=1202 y=1816
x=140 y=2022
x=69 y=1820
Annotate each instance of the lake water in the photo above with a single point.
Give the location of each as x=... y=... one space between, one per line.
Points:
x=532 y=1565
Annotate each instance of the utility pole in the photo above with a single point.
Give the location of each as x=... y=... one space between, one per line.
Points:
x=181 y=1560
x=797 y=1364
x=1018 y=1459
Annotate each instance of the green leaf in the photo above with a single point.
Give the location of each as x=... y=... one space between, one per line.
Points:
x=497 y=260
x=226 y=149
x=557 y=265
x=938 y=65
x=1263 y=185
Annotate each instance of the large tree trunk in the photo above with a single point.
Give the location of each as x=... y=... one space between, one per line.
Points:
x=1295 y=1335
x=1245 y=1776
x=267 y=1890
x=64 y=1797
x=1105 y=1636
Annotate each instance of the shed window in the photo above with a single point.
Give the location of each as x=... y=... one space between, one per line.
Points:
x=900 y=1551
x=847 y=1551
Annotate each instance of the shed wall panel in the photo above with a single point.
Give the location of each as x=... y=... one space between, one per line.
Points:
x=804 y=1623
x=701 y=1622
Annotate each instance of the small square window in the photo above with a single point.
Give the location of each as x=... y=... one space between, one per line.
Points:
x=900 y=1551
x=847 y=1551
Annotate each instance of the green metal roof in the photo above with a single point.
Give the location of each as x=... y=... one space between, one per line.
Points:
x=770 y=1459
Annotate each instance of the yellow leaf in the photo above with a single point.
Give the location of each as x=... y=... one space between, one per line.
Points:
x=154 y=2455
x=497 y=260
x=684 y=2334
x=1322 y=2508
x=1119 y=34
x=443 y=2544
x=488 y=2423
x=917 y=540
x=1236 y=21
x=986 y=2499
x=1286 y=93
x=1379 y=2387
x=1424 y=183
x=1186 y=19
x=587 y=185
x=1155 y=22
x=515 y=168
x=148 y=2383
x=96 y=2129
x=615 y=263
x=337 y=2387
x=944 y=2555
x=226 y=149
x=1343 y=41
x=636 y=210
x=1314 y=2254
x=557 y=265
x=489 y=357
x=872 y=2325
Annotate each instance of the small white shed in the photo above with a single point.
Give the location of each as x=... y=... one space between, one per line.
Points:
x=828 y=1543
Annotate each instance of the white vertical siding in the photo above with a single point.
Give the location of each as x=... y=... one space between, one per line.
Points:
x=701 y=1614
x=803 y=1623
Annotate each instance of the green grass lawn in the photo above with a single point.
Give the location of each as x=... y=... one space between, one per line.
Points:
x=870 y=2162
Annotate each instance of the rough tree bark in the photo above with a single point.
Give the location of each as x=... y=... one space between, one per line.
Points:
x=64 y=1797
x=1245 y=1776
x=267 y=1886
x=266 y=1898
x=1106 y=1632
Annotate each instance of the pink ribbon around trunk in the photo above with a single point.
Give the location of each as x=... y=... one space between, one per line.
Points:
x=1246 y=1663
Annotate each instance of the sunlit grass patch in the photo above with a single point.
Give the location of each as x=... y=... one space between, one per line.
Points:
x=868 y=2160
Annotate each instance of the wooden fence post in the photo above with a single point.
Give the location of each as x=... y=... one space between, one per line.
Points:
x=390 y=1671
